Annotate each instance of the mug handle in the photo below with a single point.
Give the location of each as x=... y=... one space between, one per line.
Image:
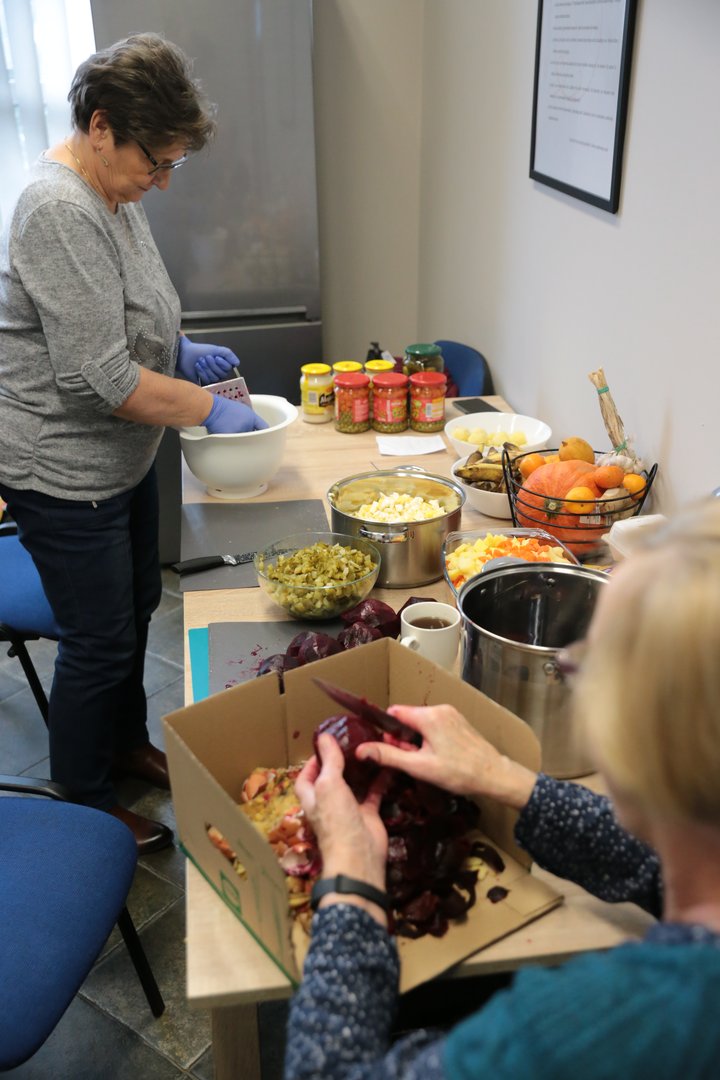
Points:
x=410 y=642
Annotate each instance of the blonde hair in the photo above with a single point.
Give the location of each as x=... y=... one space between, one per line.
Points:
x=649 y=689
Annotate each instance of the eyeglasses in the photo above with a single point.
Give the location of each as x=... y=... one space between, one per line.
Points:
x=569 y=660
x=157 y=167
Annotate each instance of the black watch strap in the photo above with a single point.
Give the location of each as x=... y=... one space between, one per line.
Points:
x=343 y=884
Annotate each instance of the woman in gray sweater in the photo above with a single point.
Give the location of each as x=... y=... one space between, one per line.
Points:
x=89 y=350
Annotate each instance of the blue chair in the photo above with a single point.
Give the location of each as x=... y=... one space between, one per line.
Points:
x=66 y=874
x=468 y=369
x=25 y=614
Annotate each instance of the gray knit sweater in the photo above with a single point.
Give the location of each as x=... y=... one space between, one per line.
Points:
x=84 y=301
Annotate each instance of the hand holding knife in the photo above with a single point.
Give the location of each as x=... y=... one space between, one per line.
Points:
x=361 y=707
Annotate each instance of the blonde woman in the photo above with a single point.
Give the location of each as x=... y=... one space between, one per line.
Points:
x=648 y=689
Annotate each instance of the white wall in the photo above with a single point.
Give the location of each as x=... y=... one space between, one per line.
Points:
x=546 y=286
x=368 y=75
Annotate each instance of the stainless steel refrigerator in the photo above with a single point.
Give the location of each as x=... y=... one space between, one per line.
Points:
x=237 y=227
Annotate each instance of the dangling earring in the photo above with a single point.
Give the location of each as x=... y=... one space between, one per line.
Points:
x=104 y=160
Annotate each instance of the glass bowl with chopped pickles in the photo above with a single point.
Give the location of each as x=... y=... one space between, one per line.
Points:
x=318 y=575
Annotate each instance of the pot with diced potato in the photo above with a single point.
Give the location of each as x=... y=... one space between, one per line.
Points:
x=407 y=513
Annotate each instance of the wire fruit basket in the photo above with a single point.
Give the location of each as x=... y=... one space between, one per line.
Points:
x=576 y=523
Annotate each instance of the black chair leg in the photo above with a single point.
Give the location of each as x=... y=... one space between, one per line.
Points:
x=140 y=962
x=19 y=650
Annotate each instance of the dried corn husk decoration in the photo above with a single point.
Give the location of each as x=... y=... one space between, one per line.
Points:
x=622 y=452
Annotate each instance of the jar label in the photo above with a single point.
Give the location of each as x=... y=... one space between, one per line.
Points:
x=390 y=410
x=427 y=410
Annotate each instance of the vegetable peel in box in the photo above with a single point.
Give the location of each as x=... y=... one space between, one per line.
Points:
x=213 y=747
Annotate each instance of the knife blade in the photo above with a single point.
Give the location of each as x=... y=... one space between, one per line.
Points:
x=209 y=562
x=362 y=707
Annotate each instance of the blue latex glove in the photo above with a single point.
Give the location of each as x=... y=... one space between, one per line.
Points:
x=231 y=417
x=203 y=363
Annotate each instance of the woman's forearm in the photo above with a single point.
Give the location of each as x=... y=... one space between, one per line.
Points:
x=159 y=399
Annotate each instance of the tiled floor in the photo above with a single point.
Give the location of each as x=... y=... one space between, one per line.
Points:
x=109 y=1032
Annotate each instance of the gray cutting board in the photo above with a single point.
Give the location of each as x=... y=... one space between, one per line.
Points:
x=236 y=650
x=229 y=529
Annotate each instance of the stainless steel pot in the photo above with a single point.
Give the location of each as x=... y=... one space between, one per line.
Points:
x=411 y=552
x=516 y=619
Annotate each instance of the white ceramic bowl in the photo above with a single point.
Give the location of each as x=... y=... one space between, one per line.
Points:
x=536 y=432
x=240 y=466
x=494 y=504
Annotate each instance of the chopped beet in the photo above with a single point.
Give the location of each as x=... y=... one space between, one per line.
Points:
x=374 y=613
x=497 y=893
x=294 y=647
x=317 y=647
x=275 y=663
x=358 y=634
x=488 y=855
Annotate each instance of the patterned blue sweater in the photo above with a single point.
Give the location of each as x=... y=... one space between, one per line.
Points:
x=647 y=1009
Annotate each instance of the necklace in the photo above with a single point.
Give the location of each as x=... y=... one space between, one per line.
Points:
x=79 y=163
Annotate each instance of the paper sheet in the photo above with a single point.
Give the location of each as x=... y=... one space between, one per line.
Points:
x=405 y=445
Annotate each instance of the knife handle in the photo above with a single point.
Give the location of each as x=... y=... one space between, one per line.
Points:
x=191 y=566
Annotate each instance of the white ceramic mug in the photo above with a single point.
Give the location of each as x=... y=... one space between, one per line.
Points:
x=433 y=630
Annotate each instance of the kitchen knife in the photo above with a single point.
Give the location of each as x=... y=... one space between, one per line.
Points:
x=209 y=562
x=362 y=707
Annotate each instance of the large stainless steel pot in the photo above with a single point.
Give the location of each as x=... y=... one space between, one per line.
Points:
x=516 y=619
x=411 y=552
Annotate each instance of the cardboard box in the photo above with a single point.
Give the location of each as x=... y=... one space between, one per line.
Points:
x=214 y=745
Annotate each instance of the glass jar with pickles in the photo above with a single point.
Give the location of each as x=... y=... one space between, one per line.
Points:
x=352 y=402
x=421 y=357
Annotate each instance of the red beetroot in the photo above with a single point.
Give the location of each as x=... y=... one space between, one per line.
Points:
x=350 y=731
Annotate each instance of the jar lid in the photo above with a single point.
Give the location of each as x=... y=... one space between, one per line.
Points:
x=379 y=365
x=347 y=365
x=423 y=350
x=428 y=378
x=352 y=380
x=315 y=369
x=390 y=378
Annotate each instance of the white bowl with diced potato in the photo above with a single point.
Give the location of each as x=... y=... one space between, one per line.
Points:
x=477 y=431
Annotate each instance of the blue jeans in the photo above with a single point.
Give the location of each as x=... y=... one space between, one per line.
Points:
x=100 y=569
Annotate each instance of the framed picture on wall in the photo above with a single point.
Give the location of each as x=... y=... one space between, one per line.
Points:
x=582 y=78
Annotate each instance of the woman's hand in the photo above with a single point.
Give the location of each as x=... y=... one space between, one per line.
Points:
x=454 y=756
x=203 y=363
x=351 y=836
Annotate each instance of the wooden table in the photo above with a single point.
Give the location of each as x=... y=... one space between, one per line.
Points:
x=227 y=971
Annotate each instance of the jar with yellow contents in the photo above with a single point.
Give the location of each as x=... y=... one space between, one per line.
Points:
x=317 y=395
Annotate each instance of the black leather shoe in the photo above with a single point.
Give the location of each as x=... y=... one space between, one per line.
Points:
x=146 y=763
x=149 y=835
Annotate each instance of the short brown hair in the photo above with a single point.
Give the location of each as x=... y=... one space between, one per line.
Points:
x=144 y=85
x=649 y=688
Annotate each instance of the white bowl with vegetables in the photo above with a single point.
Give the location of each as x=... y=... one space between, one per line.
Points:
x=477 y=431
x=318 y=575
x=490 y=499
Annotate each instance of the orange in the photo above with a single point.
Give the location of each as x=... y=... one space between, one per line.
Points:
x=635 y=484
x=529 y=464
x=576 y=449
x=580 y=500
x=608 y=476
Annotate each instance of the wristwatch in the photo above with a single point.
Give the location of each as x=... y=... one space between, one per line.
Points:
x=345 y=885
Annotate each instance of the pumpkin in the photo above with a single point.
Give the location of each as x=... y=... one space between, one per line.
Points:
x=540 y=503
